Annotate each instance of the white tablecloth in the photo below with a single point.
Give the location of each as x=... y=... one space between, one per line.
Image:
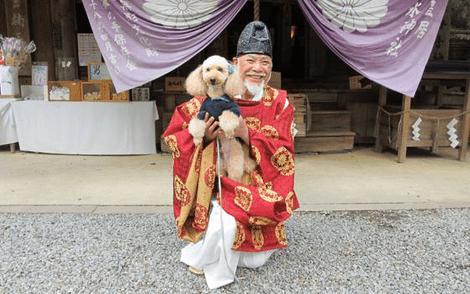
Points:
x=86 y=127
x=8 y=133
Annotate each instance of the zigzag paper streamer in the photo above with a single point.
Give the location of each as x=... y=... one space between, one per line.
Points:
x=416 y=129
x=452 y=133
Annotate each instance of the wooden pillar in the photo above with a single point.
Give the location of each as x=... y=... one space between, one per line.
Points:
x=316 y=59
x=285 y=37
x=3 y=20
x=465 y=124
x=446 y=27
x=406 y=105
x=41 y=34
x=378 y=120
x=64 y=39
x=440 y=95
x=17 y=24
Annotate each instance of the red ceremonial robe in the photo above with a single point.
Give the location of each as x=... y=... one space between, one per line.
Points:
x=264 y=199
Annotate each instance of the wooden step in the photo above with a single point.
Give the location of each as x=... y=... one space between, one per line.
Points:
x=338 y=120
x=324 y=142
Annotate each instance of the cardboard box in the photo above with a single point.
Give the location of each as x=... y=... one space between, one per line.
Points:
x=64 y=90
x=174 y=84
x=122 y=96
x=31 y=92
x=113 y=94
x=95 y=91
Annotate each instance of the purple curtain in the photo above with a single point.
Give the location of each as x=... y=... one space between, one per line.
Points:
x=141 y=40
x=387 y=41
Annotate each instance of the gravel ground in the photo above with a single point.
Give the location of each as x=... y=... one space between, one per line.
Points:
x=417 y=251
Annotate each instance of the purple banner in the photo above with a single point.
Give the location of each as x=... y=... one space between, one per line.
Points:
x=387 y=41
x=142 y=40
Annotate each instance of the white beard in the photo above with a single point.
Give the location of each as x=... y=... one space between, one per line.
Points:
x=256 y=90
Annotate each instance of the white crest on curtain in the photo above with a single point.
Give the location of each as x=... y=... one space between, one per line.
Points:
x=352 y=15
x=180 y=13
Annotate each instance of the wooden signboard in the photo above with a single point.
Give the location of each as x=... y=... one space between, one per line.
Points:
x=16 y=12
x=174 y=84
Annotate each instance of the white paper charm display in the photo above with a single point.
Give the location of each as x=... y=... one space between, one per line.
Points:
x=9 y=80
x=59 y=93
x=452 y=133
x=416 y=129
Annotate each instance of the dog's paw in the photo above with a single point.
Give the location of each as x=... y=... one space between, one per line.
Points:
x=249 y=165
x=197 y=140
x=228 y=122
x=197 y=127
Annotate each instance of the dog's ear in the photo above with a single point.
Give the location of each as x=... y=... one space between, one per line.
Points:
x=194 y=83
x=234 y=84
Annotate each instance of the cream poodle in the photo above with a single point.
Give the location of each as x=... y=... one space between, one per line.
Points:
x=218 y=81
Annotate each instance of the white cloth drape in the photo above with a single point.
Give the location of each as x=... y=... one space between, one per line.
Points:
x=8 y=133
x=91 y=128
x=213 y=252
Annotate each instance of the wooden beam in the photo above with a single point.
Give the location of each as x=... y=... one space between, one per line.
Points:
x=406 y=105
x=382 y=103
x=465 y=124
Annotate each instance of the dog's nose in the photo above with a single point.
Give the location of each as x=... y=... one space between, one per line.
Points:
x=213 y=80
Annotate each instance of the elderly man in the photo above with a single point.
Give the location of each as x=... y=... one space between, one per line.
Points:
x=231 y=223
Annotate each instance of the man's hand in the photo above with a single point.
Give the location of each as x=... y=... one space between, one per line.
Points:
x=242 y=131
x=212 y=127
x=213 y=130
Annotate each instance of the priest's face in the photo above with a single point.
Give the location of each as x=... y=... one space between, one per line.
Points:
x=254 y=69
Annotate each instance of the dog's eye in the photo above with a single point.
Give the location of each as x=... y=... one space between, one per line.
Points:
x=220 y=69
x=208 y=69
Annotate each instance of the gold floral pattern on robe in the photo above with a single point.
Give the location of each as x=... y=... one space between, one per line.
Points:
x=280 y=231
x=197 y=167
x=257 y=236
x=257 y=178
x=260 y=221
x=256 y=154
x=268 y=194
x=179 y=227
x=172 y=144
x=201 y=217
x=270 y=132
x=269 y=95
x=283 y=161
x=253 y=123
x=243 y=198
x=290 y=202
x=240 y=237
x=181 y=191
x=209 y=176
x=192 y=107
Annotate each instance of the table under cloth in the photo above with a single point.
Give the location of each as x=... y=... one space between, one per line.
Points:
x=94 y=128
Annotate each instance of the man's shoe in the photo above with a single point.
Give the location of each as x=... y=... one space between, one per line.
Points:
x=196 y=271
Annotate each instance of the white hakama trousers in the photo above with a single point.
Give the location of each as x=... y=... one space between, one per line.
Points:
x=213 y=252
